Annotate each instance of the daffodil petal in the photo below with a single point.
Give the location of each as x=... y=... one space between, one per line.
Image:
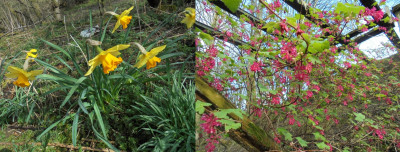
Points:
x=156 y=50
x=11 y=75
x=91 y=69
x=16 y=70
x=116 y=26
x=126 y=12
x=34 y=73
x=93 y=63
x=142 y=61
x=190 y=18
x=117 y=48
x=189 y=22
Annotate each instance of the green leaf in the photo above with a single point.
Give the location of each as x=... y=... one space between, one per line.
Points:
x=30 y=113
x=57 y=48
x=233 y=5
x=271 y=27
x=72 y=91
x=359 y=116
x=207 y=38
x=313 y=59
x=380 y=95
x=223 y=113
x=322 y=145
x=302 y=142
x=99 y=118
x=230 y=124
x=200 y=106
x=53 y=125
x=75 y=127
x=318 y=46
x=318 y=136
x=348 y=10
x=346 y=149
x=274 y=92
x=287 y=134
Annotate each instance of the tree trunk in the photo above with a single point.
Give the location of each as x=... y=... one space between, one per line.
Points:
x=57 y=10
x=101 y=6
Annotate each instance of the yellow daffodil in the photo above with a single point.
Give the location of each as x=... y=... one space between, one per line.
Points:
x=190 y=17
x=22 y=76
x=122 y=19
x=107 y=59
x=31 y=53
x=148 y=58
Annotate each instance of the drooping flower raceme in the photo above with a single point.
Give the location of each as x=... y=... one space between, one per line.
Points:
x=31 y=53
x=122 y=19
x=22 y=76
x=107 y=59
x=148 y=58
x=190 y=17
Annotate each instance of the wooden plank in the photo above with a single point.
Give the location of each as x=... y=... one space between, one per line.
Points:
x=249 y=136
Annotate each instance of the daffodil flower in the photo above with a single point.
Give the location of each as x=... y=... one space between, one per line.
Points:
x=107 y=59
x=22 y=76
x=148 y=58
x=31 y=53
x=190 y=17
x=122 y=19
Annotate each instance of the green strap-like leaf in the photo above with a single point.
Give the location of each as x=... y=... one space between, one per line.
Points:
x=233 y=5
x=75 y=127
x=98 y=116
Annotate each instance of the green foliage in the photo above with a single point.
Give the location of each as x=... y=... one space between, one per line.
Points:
x=233 y=5
x=271 y=27
x=207 y=38
x=348 y=10
x=302 y=142
x=228 y=122
x=285 y=133
x=317 y=46
x=168 y=114
x=200 y=106
x=359 y=117
x=322 y=145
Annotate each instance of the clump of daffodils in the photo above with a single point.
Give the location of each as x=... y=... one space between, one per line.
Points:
x=148 y=58
x=122 y=19
x=190 y=18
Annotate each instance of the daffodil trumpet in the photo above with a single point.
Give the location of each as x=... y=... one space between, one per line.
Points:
x=122 y=19
x=148 y=58
x=22 y=75
x=107 y=59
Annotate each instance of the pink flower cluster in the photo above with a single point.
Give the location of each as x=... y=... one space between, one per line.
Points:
x=204 y=65
x=288 y=51
x=217 y=84
x=376 y=14
x=209 y=127
x=301 y=73
x=256 y=66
